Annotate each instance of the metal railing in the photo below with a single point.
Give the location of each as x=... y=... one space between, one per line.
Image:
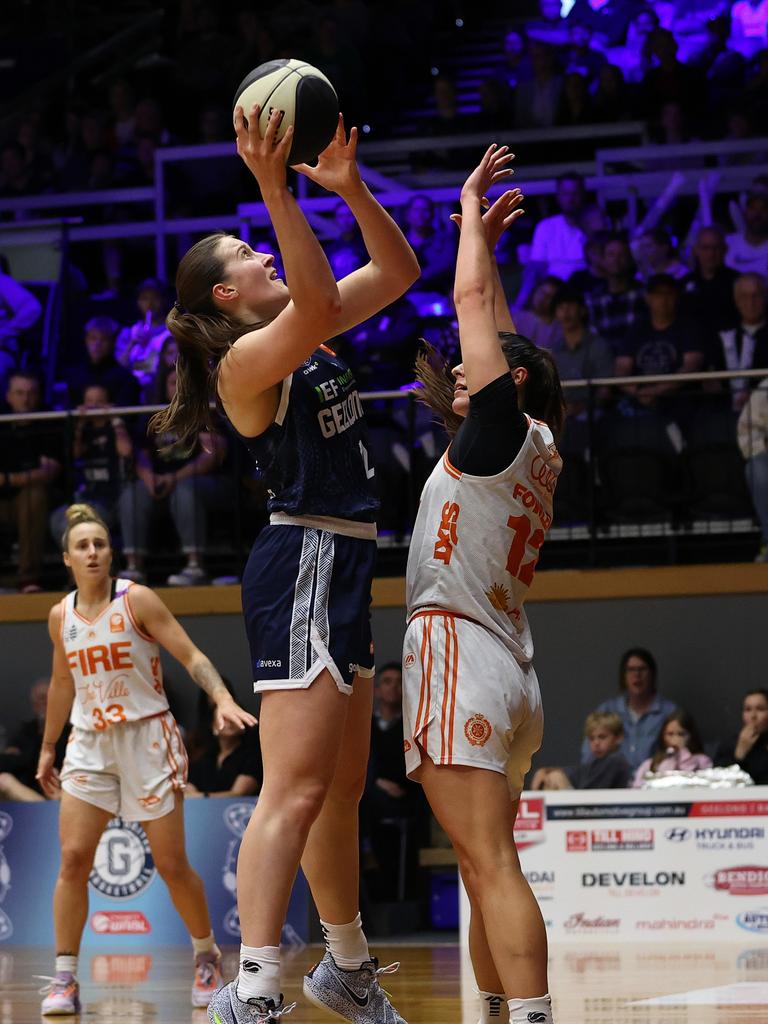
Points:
x=400 y=416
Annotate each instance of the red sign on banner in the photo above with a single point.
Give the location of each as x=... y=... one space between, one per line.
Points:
x=120 y=922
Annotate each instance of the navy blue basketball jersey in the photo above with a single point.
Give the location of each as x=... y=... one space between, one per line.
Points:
x=314 y=456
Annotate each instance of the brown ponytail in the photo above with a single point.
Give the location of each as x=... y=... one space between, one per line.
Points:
x=204 y=334
x=542 y=394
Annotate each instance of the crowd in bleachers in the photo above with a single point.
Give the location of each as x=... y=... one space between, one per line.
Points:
x=683 y=291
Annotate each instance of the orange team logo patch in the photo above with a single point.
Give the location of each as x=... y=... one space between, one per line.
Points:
x=406 y=746
x=409 y=660
x=116 y=623
x=478 y=730
x=447 y=532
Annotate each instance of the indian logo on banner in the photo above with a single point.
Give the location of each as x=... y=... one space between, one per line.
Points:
x=529 y=823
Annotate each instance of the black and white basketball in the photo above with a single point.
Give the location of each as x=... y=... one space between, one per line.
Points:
x=305 y=97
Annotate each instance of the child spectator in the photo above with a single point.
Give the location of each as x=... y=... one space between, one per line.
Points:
x=749 y=750
x=678 y=748
x=608 y=769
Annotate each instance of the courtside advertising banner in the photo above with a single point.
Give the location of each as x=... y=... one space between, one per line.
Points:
x=677 y=865
x=129 y=905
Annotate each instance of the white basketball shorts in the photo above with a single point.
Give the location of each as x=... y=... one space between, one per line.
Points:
x=467 y=700
x=133 y=769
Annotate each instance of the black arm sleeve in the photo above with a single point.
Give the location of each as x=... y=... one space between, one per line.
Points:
x=493 y=433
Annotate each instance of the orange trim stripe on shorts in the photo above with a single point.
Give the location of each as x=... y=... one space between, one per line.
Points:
x=446 y=690
x=422 y=686
x=425 y=699
x=454 y=680
x=169 y=751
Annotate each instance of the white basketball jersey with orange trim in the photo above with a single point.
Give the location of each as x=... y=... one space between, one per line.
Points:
x=476 y=540
x=115 y=666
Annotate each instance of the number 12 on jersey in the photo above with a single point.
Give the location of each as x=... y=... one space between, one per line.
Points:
x=522 y=541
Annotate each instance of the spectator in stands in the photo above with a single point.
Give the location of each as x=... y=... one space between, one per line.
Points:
x=749 y=26
x=575 y=102
x=169 y=353
x=186 y=484
x=17 y=178
x=639 y=706
x=382 y=347
x=664 y=343
x=655 y=254
x=581 y=57
x=122 y=105
x=390 y=795
x=753 y=442
x=548 y=27
x=670 y=81
x=749 y=750
x=435 y=248
x=446 y=120
x=102 y=450
x=609 y=20
x=29 y=464
x=708 y=289
x=537 y=99
x=495 y=112
x=138 y=347
x=748 y=249
x=517 y=65
x=743 y=345
x=607 y=769
x=18 y=762
x=101 y=369
x=678 y=748
x=19 y=310
x=636 y=54
x=617 y=302
x=222 y=762
x=536 y=320
x=348 y=242
x=611 y=98
x=593 y=274
x=558 y=241
x=578 y=352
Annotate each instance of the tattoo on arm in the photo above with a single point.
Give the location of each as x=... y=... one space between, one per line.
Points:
x=207 y=678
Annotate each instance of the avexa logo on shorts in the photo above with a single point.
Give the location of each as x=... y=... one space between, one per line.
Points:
x=269 y=663
x=123 y=865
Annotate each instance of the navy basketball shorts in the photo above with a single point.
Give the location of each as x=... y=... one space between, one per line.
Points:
x=306 y=602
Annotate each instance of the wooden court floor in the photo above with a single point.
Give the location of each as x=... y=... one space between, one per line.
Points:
x=698 y=983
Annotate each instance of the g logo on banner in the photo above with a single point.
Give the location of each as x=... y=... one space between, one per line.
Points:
x=123 y=865
x=236 y=818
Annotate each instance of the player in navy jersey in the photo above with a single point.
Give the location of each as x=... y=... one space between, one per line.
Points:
x=472 y=714
x=257 y=346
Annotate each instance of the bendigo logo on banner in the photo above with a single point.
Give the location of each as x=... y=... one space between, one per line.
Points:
x=750 y=880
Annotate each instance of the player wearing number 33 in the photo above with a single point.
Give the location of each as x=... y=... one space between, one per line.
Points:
x=471 y=705
x=125 y=757
x=257 y=346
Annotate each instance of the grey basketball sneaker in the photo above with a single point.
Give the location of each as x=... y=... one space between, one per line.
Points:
x=226 y=1008
x=353 y=995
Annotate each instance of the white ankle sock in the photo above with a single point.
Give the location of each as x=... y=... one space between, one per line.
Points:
x=493 y=1008
x=259 y=973
x=530 y=1011
x=347 y=944
x=66 y=963
x=206 y=945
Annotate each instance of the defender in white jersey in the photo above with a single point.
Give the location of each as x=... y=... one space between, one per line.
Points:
x=471 y=705
x=125 y=757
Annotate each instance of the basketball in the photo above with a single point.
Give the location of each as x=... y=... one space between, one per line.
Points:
x=306 y=98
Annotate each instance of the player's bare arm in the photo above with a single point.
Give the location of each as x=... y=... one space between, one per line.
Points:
x=155 y=619
x=496 y=219
x=61 y=693
x=474 y=289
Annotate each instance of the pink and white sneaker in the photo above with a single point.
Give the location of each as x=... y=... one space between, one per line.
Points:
x=62 y=996
x=208 y=978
